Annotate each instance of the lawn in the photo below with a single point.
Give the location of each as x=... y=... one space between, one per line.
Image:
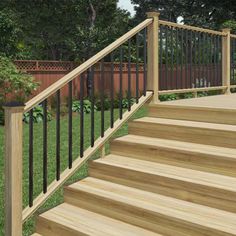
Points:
x=38 y=141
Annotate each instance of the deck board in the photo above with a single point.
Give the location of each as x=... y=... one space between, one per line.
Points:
x=217 y=101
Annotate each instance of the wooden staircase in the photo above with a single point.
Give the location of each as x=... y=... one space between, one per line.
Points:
x=174 y=174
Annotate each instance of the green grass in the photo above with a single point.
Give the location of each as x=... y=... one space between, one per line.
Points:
x=57 y=198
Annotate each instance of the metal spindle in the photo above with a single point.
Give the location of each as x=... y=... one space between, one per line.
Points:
x=166 y=58
x=91 y=75
x=172 y=57
x=58 y=103
x=112 y=91
x=182 y=56
x=137 y=68
x=102 y=98
x=45 y=143
x=129 y=75
x=161 y=55
x=177 y=57
x=82 y=115
x=31 y=172
x=145 y=62
x=215 y=60
x=199 y=57
x=191 y=58
x=121 y=86
x=70 y=125
x=186 y=58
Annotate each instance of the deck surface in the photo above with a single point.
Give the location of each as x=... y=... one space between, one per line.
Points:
x=217 y=101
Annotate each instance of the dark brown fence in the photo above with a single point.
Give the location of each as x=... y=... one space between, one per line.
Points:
x=48 y=72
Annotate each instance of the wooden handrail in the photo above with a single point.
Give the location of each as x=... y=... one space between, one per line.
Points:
x=233 y=36
x=86 y=65
x=28 y=211
x=175 y=25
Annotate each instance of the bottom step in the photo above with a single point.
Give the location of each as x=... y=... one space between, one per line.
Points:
x=68 y=220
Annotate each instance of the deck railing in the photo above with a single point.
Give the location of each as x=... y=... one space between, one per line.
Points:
x=164 y=49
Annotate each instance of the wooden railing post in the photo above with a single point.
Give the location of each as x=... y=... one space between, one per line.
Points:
x=13 y=170
x=152 y=56
x=226 y=60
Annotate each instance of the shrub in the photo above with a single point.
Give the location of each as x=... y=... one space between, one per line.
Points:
x=125 y=102
x=168 y=97
x=14 y=85
x=37 y=115
x=87 y=106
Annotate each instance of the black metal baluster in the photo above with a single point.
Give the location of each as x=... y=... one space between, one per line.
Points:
x=166 y=58
x=211 y=74
x=145 y=62
x=129 y=75
x=82 y=115
x=161 y=55
x=182 y=55
x=31 y=159
x=195 y=60
x=199 y=59
x=102 y=98
x=203 y=59
x=70 y=125
x=191 y=59
x=58 y=139
x=186 y=59
x=121 y=84
x=172 y=57
x=218 y=59
x=215 y=62
x=137 y=68
x=45 y=142
x=233 y=64
x=91 y=74
x=112 y=91
x=177 y=57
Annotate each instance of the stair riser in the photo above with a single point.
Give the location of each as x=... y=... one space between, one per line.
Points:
x=182 y=133
x=194 y=114
x=138 y=216
x=176 y=157
x=47 y=227
x=188 y=191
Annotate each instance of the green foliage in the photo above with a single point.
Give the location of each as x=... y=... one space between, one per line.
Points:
x=63 y=30
x=14 y=85
x=87 y=106
x=125 y=102
x=37 y=115
x=168 y=97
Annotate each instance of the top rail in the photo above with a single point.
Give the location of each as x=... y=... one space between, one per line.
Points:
x=233 y=36
x=167 y=23
x=83 y=67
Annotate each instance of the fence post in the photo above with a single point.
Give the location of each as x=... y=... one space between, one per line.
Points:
x=226 y=60
x=13 y=169
x=152 y=55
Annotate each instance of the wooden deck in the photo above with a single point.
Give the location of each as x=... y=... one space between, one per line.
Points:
x=217 y=102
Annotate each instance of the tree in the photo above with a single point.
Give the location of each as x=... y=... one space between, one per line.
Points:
x=67 y=29
x=203 y=13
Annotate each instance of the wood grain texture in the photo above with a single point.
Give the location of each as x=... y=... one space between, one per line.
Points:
x=201 y=157
x=13 y=170
x=188 y=131
x=193 y=28
x=193 y=113
x=190 y=185
x=155 y=212
x=68 y=220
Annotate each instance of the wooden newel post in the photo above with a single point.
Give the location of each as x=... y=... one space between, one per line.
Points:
x=226 y=60
x=152 y=55
x=13 y=170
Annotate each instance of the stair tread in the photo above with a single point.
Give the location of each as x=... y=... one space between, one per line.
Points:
x=187 y=123
x=159 y=204
x=174 y=172
x=91 y=223
x=179 y=145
